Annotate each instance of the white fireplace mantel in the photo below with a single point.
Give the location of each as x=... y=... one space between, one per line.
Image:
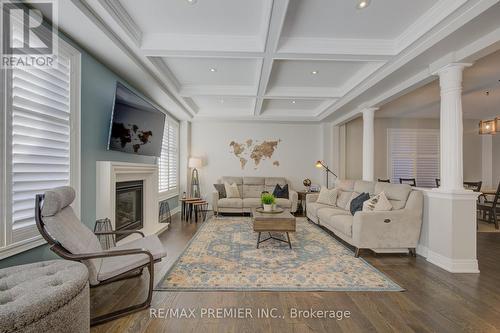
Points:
x=108 y=173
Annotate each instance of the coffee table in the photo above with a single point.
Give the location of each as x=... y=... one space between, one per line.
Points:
x=273 y=222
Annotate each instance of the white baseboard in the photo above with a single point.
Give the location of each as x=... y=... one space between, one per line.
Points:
x=175 y=210
x=453 y=265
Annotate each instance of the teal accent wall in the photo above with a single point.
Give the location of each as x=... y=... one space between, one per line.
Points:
x=97 y=93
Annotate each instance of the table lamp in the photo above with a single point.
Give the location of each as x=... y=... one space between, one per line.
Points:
x=195 y=163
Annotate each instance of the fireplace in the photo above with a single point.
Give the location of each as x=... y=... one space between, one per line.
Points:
x=129 y=206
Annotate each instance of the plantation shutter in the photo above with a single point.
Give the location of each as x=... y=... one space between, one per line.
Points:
x=40 y=146
x=169 y=159
x=414 y=153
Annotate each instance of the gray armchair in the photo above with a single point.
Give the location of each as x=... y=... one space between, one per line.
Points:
x=72 y=240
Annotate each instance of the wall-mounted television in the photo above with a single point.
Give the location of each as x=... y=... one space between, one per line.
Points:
x=136 y=125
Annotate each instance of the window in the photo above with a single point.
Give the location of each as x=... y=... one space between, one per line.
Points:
x=168 y=170
x=40 y=147
x=413 y=153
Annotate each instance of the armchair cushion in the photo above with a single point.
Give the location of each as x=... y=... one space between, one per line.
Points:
x=284 y=203
x=230 y=203
x=63 y=225
x=113 y=266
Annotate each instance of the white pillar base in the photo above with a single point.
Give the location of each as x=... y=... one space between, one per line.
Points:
x=452 y=230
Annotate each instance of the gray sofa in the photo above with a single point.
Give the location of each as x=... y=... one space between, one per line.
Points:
x=397 y=230
x=250 y=189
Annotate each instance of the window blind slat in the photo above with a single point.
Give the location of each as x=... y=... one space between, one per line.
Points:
x=40 y=136
x=414 y=153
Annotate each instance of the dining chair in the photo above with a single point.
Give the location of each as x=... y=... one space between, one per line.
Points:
x=72 y=240
x=491 y=208
x=384 y=180
x=474 y=186
x=409 y=181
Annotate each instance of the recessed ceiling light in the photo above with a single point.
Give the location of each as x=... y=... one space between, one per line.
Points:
x=293 y=102
x=191 y=2
x=314 y=72
x=363 y=4
x=212 y=69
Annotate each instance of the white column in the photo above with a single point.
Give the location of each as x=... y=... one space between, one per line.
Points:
x=487 y=160
x=368 y=143
x=452 y=130
x=450 y=211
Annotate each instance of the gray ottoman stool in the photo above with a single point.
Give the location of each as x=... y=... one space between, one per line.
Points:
x=50 y=296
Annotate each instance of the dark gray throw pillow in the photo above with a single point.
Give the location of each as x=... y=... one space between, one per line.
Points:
x=357 y=203
x=221 y=189
x=281 y=192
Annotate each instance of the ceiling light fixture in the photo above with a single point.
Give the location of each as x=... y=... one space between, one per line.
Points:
x=222 y=101
x=362 y=4
x=314 y=72
x=213 y=70
x=191 y=2
x=293 y=102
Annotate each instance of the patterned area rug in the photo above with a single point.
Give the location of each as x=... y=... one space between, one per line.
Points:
x=223 y=256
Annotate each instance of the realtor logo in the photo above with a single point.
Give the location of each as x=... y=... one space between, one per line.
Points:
x=29 y=34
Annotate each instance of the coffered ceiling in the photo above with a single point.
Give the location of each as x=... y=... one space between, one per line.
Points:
x=284 y=60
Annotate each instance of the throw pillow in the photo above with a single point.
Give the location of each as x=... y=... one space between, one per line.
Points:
x=281 y=192
x=343 y=198
x=231 y=190
x=357 y=203
x=328 y=197
x=221 y=189
x=351 y=198
x=378 y=203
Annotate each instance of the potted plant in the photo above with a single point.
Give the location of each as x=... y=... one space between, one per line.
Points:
x=268 y=201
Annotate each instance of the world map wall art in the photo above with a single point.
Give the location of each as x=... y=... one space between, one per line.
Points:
x=254 y=150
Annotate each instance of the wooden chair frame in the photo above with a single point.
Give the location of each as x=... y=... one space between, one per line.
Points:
x=410 y=181
x=491 y=210
x=57 y=248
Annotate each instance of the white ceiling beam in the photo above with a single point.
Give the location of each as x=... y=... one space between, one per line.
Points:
x=276 y=21
x=123 y=18
x=465 y=14
x=93 y=16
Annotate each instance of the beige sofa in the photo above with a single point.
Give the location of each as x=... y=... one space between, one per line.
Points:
x=397 y=230
x=250 y=189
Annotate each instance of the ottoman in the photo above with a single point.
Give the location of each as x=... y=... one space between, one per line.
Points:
x=50 y=296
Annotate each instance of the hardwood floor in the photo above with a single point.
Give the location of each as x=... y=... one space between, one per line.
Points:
x=434 y=300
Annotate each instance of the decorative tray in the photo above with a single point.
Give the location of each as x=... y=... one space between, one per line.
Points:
x=277 y=210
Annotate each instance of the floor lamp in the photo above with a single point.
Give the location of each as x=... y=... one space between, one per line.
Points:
x=321 y=164
x=195 y=164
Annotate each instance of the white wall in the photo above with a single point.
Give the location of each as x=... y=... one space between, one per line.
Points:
x=297 y=152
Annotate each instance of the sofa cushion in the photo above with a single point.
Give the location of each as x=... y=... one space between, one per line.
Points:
x=251 y=203
x=230 y=203
x=252 y=191
x=343 y=198
x=328 y=197
x=341 y=223
x=270 y=183
x=361 y=186
x=254 y=181
x=345 y=184
x=314 y=207
x=283 y=203
x=396 y=193
x=325 y=214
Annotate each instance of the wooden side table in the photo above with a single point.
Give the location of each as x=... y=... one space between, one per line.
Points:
x=185 y=207
x=302 y=201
